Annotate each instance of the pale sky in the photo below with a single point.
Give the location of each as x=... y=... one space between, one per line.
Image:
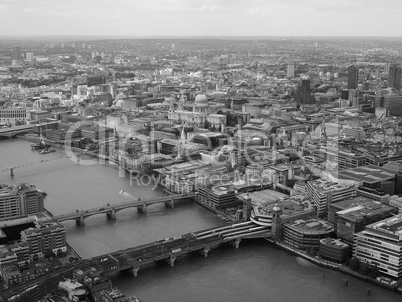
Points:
x=201 y=17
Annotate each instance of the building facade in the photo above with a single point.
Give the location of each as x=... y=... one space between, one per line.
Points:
x=380 y=244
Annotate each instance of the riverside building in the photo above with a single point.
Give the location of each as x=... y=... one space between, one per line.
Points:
x=20 y=200
x=380 y=244
x=45 y=236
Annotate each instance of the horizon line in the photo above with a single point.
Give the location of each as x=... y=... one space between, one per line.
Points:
x=197 y=36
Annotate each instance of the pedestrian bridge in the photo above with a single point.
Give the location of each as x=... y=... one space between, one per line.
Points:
x=15 y=130
x=170 y=249
x=111 y=209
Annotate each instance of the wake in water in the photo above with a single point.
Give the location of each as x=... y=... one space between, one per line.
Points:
x=305 y=263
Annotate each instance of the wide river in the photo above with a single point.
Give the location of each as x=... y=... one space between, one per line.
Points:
x=256 y=271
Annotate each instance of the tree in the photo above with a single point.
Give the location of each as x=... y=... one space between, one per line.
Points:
x=311 y=251
x=346 y=262
x=374 y=272
x=354 y=264
x=364 y=268
x=49 y=254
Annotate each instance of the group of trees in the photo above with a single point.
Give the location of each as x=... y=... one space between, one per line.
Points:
x=363 y=268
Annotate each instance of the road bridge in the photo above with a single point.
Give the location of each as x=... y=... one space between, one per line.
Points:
x=111 y=209
x=170 y=249
x=10 y=132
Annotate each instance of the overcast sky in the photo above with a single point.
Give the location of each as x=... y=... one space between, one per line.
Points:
x=202 y=17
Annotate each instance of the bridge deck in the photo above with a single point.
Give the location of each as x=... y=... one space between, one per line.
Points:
x=172 y=247
x=119 y=206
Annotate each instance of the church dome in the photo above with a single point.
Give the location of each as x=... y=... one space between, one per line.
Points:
x=201 y=99
x=276 y=208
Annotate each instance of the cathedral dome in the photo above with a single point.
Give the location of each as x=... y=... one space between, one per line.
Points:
x=201 y=99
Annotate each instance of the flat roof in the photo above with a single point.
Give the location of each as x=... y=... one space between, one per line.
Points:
x=265 y=197
x=368 y=174
x=332 y=241
x=311 y=225
x=359 y=207
x=392 y=225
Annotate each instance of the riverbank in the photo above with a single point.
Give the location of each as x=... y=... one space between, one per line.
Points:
x=334 y=266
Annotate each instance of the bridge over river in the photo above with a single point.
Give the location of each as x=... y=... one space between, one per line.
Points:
x=132 y=259
x=111 y=209
x=170 y=249
x=16 y=130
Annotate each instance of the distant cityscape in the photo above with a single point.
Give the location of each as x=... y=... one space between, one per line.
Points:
x=292 y=141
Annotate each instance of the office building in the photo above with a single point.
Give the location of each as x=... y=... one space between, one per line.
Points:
x=13 y=116
x=43 y=237
x=290 y=73
x=350 y=216
x=353 y=77
x=16 y=53
x=334 y=250
x=394 y=77
x=20 y=200
x=387 y=66
x=217 y=197
x=303 y=93
x=380 y=244
x=322 y=193
x=303 y=234
x=29 y=56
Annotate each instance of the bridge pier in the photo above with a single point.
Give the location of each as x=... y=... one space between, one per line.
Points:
x=12 y=172
x=171 y=260
x=80 y=221
x=111 y=215
x=205 y=251
x=170 y=204
x=134 y=271
x=237 y=243
x=142 y=209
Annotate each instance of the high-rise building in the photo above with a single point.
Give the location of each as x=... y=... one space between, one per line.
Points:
x=304 y=92
x=29 y=56
x=16 y=53
x=290 y=71
x=394 y=77
x=386 y=67
x=353 y=77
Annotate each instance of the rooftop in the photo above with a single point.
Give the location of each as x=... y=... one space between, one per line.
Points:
x=392 y=225
x=332 y=241
x=265 y=197
x=368 y=174
x=359 y=207
x=324 y=186
x=312 y=225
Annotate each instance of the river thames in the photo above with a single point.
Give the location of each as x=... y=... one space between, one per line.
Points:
x=257 y=271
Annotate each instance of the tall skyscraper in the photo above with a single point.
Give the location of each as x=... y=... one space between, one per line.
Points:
x=303 y=94
x=353 y=77
x=386 y=67
x=16 y=53
x=290 y=71
x=394 y=77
